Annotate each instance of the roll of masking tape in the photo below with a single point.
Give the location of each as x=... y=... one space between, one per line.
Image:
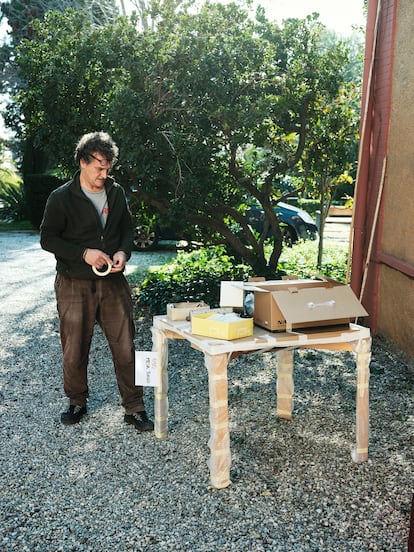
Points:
x=104 y=271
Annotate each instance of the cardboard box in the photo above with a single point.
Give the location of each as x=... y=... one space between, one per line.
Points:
x=203 y=324
x=182 y=311
x=281 y=305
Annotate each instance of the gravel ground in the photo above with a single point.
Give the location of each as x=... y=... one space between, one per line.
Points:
x=100 y=486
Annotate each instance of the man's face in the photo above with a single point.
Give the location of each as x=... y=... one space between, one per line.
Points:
x=93 y=174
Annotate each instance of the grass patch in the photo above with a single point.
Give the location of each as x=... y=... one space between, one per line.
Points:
x=301 y=259
x=16 y=226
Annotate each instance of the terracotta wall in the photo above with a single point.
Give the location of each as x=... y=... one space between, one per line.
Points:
x=376 y=107
x=383 y=240
x=396 y=251
x=396 y=308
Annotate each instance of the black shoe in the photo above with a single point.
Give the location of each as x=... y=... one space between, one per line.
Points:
x=72 y=415
x=140 y=420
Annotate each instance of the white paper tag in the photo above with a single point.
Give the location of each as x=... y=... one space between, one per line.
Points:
x=146 y=368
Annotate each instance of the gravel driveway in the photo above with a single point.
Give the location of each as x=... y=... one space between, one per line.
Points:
x=100 y=486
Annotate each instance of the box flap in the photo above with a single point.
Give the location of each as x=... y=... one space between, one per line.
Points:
x=271 y=285
x=314 y=304
x=231 y=294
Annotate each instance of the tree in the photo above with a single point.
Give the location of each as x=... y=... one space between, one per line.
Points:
x=329 y=164
x=150 y=12
x=330 y=158
x=20 y=14
x=188 y=103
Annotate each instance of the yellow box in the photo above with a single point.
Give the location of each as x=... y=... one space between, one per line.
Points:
x=181 y=311
x=202 y=324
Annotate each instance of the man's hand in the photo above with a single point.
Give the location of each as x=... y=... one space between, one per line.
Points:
x=97 y=258
x=119 y=261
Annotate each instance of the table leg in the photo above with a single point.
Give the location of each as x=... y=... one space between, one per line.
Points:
x=219 y=442
x=160 y=345
x=362 y=349
x=285 y=386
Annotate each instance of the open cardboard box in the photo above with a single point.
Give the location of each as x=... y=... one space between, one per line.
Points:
x=281 y=305
x=183 y=311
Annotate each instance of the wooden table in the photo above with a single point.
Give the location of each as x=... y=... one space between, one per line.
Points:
x=217 y=354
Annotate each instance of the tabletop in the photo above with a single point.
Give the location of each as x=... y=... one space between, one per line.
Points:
x=262 y=339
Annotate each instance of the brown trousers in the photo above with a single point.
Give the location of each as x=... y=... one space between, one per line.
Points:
x=107 y=301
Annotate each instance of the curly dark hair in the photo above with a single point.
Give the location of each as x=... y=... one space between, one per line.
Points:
x=96 y=142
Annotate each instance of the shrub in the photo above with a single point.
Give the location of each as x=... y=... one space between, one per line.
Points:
x=301 y=259
x=193 y=276
x=12 y=201
x=196 y=276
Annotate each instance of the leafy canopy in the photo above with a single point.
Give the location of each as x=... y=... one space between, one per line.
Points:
x=211 y=110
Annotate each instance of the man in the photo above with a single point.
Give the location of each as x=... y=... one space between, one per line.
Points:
x=88 y=227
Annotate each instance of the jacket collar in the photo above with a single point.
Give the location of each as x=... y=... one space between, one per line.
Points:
x=76 y=187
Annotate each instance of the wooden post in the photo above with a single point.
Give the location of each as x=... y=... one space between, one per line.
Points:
x=285 y=386
x=362 y=349
x=160 y=345
x=219 y=442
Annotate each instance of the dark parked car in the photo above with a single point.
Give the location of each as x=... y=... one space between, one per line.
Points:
x=295 y=224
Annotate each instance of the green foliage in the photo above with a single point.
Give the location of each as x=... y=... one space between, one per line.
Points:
x=313 y=205
x=190 y=102
x=194 y=276
x=23 y=225
x=21 y=13
x=145 y=268
x=12 y=200
x=301 y=260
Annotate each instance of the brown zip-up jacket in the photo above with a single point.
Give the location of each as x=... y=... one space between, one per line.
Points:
x=71 y=224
